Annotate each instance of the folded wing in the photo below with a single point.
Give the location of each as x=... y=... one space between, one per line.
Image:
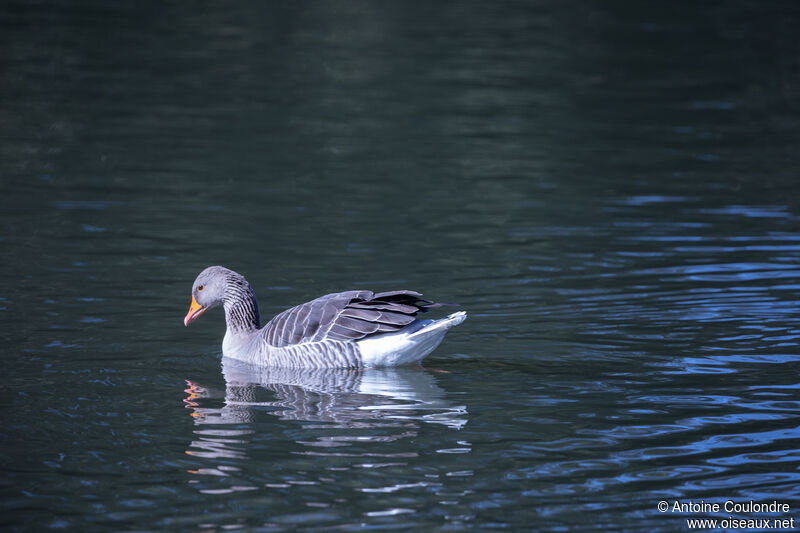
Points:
x=346 y=316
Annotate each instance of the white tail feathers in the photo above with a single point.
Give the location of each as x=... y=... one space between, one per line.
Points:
x=409 y=345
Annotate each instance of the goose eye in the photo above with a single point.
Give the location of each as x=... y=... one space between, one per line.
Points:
x=200 y=287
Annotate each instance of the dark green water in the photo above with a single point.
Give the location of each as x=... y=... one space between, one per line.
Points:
x=610 y=189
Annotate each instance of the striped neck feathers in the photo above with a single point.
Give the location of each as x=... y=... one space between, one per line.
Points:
x=241 y=307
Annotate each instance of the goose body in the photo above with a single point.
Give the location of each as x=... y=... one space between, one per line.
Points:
x=352 y=329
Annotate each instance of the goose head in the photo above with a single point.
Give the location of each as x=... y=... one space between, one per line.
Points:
x=208 y=291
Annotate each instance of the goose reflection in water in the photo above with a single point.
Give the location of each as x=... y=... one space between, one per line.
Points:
x=382 y=404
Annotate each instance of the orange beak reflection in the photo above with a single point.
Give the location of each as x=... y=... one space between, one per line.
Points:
x=195 y=310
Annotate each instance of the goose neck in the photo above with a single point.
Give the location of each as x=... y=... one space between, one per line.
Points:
x=241 y=307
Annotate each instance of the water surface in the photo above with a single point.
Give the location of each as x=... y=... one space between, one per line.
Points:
x=610 y=191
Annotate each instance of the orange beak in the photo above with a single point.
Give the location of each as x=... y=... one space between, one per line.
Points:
x=195 y=310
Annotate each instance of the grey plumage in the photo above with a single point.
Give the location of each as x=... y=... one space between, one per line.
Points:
x=343 y=329
x=345 y=316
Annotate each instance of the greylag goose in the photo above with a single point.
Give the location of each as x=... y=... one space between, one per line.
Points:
x=353 y=329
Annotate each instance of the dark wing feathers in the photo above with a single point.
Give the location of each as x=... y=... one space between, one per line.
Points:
x=371 y=315
x=342 y=333
x=396 y=317
x=354 y=324
x=393 y=295
x=385 y=306
x=345 y=316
